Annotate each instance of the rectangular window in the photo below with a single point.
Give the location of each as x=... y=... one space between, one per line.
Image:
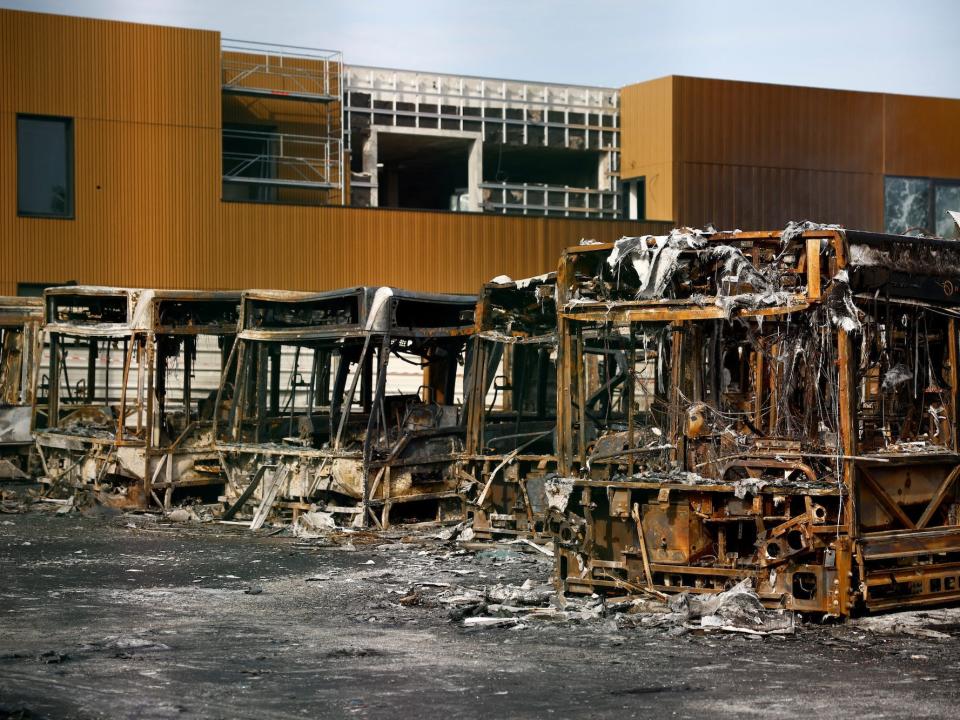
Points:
x=634 y=199
x=906 y=204
x=44 y=166
x=946 y=197
x=920 y=205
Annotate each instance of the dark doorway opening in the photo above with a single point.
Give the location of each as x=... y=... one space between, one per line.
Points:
x=425 y=172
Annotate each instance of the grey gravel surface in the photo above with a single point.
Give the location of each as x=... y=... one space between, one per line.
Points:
x=130 y=617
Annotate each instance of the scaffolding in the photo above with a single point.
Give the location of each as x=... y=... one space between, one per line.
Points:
x=283 y=159
x=280 y=151
x=265 y=69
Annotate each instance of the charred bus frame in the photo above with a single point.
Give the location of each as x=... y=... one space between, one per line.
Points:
x=772 y=405
x=20 y=343
x=511 y=408
x=337 y=436
x=144 y=429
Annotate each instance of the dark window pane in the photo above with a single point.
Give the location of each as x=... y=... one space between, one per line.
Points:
x=44 y=167
x=906 y=204
x=946 y=197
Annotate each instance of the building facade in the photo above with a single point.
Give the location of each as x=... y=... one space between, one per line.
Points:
x=751 y=155
x=165 y=157
x=168 y=157
x=449 y=142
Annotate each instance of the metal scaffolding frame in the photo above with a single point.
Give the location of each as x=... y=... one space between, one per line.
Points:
x=285 y=159
x=280 y=159
x=297 y=73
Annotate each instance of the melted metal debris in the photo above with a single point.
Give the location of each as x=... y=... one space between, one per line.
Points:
x=655 y=258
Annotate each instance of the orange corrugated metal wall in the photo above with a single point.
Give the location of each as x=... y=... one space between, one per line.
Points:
x=922 y=136
x=320 y=248
x=646 y=142
x=754 y=156
x=146 y=104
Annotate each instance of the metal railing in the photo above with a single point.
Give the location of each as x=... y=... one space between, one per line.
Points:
x=442 y=88
x=281 y=159
x=249 y=68
x=553 y=200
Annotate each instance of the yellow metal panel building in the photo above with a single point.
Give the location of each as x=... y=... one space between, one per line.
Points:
x=146 y=105
x=150 y=207
x=753 y=155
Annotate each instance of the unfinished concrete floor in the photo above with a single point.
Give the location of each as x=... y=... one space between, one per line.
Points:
x=120 y=617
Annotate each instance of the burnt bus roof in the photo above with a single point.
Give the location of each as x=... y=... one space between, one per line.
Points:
x=904 y=267
x=502 y=282
x=16 y=310
x=291 y=314
x=281 y=315
x=899 y=266
x=523 y=307
x=865 y=237
x=116 y=312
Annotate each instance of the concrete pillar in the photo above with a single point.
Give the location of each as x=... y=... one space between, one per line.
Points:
x=604 y=181
x=475 y=175
x=369 y=158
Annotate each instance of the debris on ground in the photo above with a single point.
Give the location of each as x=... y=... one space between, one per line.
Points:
x=737 y=610
x=314 y=524
x=526 y=594
x=52 y=657
x=183 y=629
x=461 y=531
x=934 y=624
x=120 y=646
x=183 y=515
x=11 y=503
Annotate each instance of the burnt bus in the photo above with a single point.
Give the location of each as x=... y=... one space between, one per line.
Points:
x=511 y=408
x=125 y=388
x=20 y=342
x=346 y=401
x=779 y=406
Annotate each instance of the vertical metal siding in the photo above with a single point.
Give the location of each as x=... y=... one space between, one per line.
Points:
x=752 y=155
x=647 y=142
x=109 y=70
x=750 y=197
x=146 y=104
x=922 y=136
x=321 y=248
x=761 y=125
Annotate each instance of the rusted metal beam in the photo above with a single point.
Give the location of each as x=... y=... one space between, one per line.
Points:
x=886 y=502
x=938 y=497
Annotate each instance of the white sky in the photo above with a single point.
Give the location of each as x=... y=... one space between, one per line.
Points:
x=881 y=45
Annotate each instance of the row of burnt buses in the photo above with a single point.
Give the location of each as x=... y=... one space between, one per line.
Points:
x=675 y=413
